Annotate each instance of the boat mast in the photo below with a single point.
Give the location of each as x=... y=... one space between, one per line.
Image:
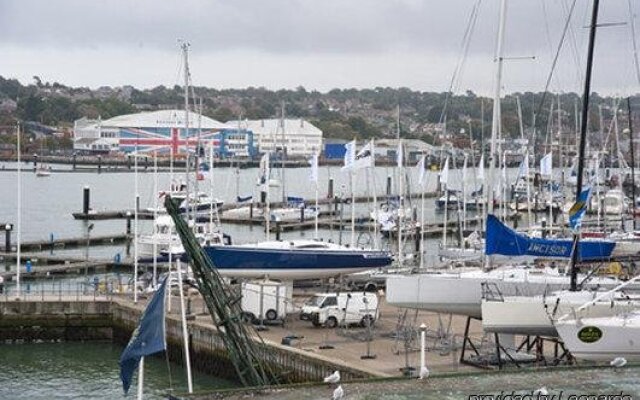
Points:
x=282 y=153
x=633 y=162
x=495 y=122
x=583 y=136
x=185 y=51
x=19 y=218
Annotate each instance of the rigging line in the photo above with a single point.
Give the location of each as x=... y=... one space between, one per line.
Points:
x=466 y=38
x=632 y=26
x=557 y=55
x=466 y=48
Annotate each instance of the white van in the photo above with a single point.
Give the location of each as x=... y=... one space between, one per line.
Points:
x=333 y=309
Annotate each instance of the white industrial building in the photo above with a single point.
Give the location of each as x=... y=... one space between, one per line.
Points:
x=298 y=137
x=161 y=131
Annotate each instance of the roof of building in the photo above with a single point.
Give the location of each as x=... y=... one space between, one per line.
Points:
x=163 y=119
x=272 y=126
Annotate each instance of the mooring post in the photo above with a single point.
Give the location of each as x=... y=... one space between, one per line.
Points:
x=128 y=223
x=278 y=230
x=85 y=200
x=7 y=237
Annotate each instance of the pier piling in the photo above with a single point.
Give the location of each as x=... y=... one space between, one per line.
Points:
x=86 y=199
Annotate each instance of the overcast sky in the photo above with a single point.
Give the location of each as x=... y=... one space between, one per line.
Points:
x=319 y=44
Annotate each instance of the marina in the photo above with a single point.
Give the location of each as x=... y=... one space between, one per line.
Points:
x=187 y=240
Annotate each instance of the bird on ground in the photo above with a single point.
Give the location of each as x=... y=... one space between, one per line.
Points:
x=424 y=373
x=542 y=391
x=333 y=378
x=618 y=362
x=338 y=394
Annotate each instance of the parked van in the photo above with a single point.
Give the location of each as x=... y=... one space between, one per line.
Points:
x=333 y=309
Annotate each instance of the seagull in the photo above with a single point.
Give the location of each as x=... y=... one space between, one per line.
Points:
x=424 y=373
x=541 y=392
x=338 y=394
x=618 y=362
x=333 y=378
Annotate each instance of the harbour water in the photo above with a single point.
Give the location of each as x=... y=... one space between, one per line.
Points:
x=46 y=371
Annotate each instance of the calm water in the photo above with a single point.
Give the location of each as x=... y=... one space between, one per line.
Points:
x=71 y=370
x=47 y=371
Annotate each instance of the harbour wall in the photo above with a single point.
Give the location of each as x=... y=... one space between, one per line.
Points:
x=115 y=319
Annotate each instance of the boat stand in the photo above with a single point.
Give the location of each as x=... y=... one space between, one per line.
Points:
x=468 y=345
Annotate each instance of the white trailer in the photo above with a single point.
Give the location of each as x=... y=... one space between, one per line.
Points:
x=266 y=300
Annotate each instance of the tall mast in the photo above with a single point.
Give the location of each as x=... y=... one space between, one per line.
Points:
x=185 y=52
x=282 y=152
x=495 y=123
x=633 y=162
x=583 y=136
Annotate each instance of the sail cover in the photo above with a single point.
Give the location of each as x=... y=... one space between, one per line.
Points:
x=503 y=240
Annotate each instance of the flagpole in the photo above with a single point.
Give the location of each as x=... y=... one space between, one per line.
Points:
x=140 y=378
x=185 y=333
x=316 y=177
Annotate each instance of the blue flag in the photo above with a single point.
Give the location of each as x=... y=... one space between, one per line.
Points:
x=148 y=338
x=576 y=212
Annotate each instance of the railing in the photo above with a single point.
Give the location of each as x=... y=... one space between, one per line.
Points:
x=63 y=291
x=491 y=292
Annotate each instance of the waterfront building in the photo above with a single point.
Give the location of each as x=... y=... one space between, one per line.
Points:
x=161 y=131
x=298 y=138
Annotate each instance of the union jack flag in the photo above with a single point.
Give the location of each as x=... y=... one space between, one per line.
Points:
x=147 y=141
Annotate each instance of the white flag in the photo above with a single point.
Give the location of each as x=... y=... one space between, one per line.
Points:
x=313 y=161
x=420 y=167
x=400 y=155
x=349 y=155
x=365 y=157
x=264 y=165
x=444 y=174
x=545 y=165
x=523 y=172
x=481 y=168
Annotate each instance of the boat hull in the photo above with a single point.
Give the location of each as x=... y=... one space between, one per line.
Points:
x=254 y=262
x=533 y=316
x=618 y=337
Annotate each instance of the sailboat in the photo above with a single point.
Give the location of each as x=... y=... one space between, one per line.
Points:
x=292 y=259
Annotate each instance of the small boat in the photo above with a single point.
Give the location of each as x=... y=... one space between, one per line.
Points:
x=43 y=171
x=293 y=259
x=165 y=240
x=615 y=202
